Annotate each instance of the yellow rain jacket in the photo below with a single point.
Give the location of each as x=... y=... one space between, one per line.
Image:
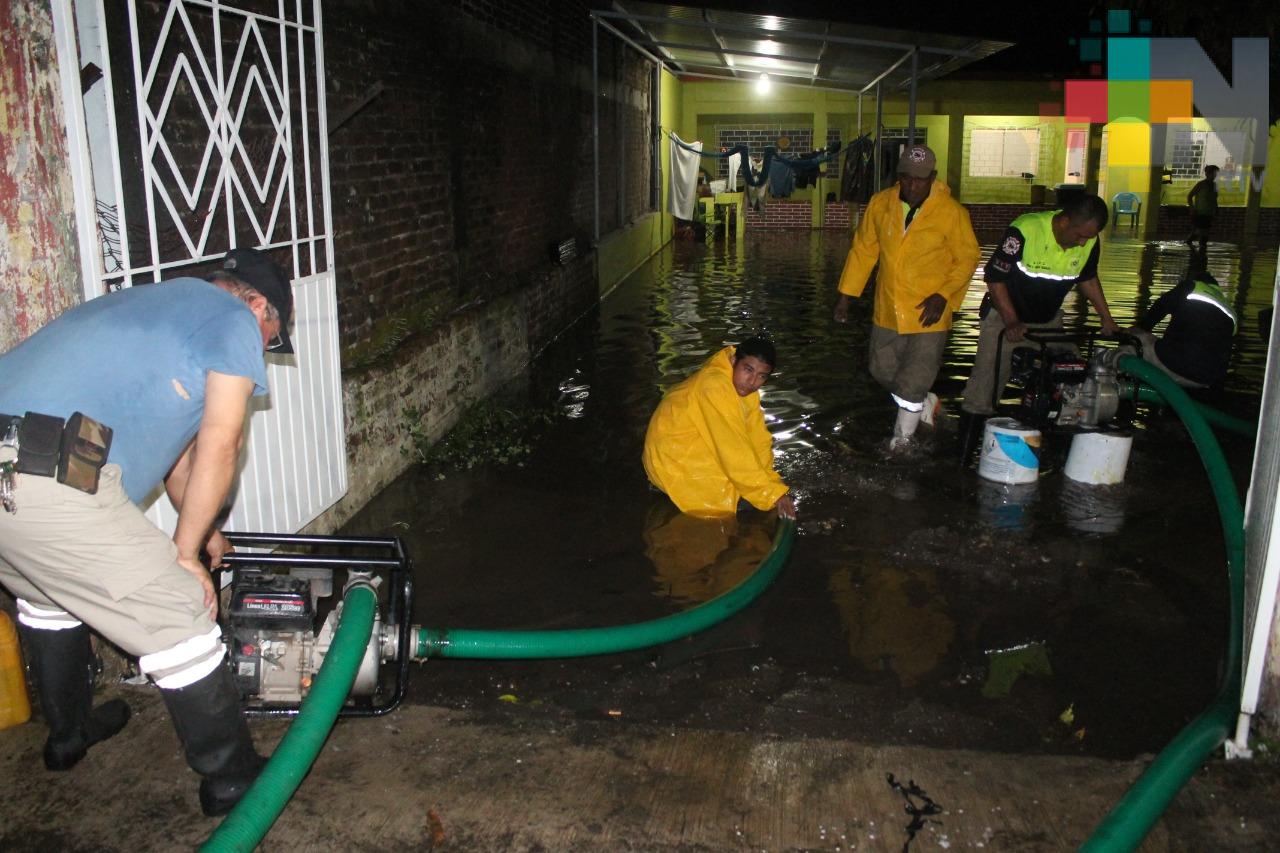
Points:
x=936 y=254
x=706 y=447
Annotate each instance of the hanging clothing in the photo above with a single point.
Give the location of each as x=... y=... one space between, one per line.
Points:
x=757 y=192
x=782 y=180
x=735 y=163
x=682 y=195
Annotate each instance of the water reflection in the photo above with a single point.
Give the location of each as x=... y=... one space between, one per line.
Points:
x=697 y=558
x=1095 y=510
x=895 y=619
x=1005 y=506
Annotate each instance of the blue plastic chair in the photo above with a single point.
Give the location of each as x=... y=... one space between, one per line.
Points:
x=1125 y=204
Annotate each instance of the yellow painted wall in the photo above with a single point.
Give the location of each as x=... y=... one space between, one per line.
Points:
x=983 y=103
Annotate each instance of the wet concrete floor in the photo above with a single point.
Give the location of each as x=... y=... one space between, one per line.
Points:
x=1018 y=652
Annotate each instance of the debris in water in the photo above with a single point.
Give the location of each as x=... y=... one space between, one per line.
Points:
x=925 y=808
x=1008 y=665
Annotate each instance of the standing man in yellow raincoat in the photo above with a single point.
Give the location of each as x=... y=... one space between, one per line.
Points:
x=927 y=252
x=707 y=445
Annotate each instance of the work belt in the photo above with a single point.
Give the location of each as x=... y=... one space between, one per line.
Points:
x=71 y=450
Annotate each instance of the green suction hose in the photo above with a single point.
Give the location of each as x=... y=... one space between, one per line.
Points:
x=1214 y=416
x=529 y=645
x=253 y=816
x=1132 y=818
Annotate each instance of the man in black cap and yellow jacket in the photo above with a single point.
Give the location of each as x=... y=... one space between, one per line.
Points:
x=922 y=239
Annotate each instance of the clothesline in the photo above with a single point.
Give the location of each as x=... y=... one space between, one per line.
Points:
x=757 y=179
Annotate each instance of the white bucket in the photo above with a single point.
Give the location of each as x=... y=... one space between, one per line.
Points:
x=1010 y=452
x=1098 y=458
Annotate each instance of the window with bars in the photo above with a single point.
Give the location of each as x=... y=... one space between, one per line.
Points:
x=1191 y=150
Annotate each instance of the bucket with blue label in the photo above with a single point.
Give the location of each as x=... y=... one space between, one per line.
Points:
x=1010 y=452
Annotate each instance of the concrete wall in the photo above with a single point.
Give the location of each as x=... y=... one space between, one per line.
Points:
x=39 y=259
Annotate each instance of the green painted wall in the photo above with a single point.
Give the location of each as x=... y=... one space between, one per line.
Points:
x=622 y=251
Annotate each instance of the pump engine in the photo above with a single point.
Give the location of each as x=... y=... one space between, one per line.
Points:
x=277 y=640
x=1062 y=388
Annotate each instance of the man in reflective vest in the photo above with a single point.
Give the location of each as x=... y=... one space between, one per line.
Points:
x=926 y=250
x=1195 y=349
x=1041 y=257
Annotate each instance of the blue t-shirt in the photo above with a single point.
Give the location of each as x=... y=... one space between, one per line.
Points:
x=136 y=360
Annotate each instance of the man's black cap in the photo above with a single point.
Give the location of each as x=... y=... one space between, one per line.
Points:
x=258 y=271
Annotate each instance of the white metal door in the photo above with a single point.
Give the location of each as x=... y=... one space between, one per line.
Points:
x=197 y=126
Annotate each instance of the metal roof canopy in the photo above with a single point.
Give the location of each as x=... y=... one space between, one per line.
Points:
x=742 y=47
x=695 y=42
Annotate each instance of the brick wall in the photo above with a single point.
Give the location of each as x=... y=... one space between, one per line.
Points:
x=443 y=372
x=450 y=187
x=781 y=213
x=990 y=220
x=757 y=137
x=1228 y=224
x=835 y=216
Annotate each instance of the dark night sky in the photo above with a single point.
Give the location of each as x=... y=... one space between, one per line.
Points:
x=1041 y=31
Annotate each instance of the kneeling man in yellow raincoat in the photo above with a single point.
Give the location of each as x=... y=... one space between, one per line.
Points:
x=707 y=445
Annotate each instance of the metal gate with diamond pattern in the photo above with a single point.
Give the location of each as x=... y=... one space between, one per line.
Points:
x=197 y=126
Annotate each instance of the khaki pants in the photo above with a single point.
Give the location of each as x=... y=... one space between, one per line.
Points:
x=97 y=558
x=906 y=365
x=983 y=381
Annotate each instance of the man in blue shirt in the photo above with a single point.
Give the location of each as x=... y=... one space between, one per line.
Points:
x=169 y=368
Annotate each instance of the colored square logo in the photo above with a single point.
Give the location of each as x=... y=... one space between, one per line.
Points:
x=1129 y=59
x=1086 y=101
x=1171 y=101
x=1118 y=20
x=1129 y=143
x=1090 y=50
x=1127 y=99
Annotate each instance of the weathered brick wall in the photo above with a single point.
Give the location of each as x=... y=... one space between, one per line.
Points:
x=450 y=185
x=39 y=258
x=449 y=189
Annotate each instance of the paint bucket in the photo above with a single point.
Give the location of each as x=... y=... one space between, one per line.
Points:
x=1098 y=458
x=1010 y=452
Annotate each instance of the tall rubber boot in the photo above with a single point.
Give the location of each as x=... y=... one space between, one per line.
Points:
x=970 y=434
x=216 y=739
x=61 y=664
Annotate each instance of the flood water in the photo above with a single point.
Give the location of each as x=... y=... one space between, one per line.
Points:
x=921 y=604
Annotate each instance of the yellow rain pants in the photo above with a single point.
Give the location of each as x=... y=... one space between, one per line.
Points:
x=706 y=447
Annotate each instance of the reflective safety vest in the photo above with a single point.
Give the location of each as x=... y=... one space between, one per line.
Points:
x=1204 y=291
x=1042 y=257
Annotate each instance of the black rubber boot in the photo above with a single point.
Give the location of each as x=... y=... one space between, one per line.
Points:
x=61 y=664
x=970 y=434
x=216 y=739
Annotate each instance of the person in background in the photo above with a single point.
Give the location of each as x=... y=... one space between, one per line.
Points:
x=924 y=244
x=75 y=549
x=707 y=446
x=1195 y=349
x=1037 y=262
x=1202 y=201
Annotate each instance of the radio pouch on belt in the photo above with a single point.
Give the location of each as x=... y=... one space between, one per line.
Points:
x=85 y=444
x=38 y=440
